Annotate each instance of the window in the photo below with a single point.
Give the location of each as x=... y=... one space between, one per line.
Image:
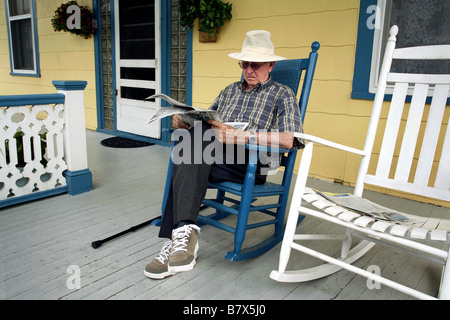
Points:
x=22 y=36
x=420 y=23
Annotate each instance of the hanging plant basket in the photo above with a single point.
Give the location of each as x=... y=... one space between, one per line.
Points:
x=86 y=25
x=206 y=37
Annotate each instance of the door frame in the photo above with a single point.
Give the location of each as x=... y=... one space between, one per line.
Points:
x=165 y=24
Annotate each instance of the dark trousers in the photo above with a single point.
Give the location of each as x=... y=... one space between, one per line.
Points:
x=190 y=180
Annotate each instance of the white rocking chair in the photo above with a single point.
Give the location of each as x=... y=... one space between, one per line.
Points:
x=400 y=230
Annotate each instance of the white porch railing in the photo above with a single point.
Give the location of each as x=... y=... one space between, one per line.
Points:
x=43 y=144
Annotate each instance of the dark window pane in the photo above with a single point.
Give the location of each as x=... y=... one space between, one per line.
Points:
x=136 y=93
x=22 y=44
x=138 y=32
x=421 y=23
x=137 y=29
x=137 y=49
x=18 y=7
x=137 y=73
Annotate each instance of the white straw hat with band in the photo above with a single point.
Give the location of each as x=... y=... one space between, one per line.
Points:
x=257 y=47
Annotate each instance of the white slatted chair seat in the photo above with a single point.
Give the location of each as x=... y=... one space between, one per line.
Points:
x=415 y=227
x=413 y=157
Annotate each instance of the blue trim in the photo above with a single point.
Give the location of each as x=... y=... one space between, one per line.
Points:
x=37 y=71
x=98 y=64
x=363 y=55
x=189 y=68
x=36 y=40
x=166 y=28
x=69 y=85
x=78 y=181
x=165 y=46
x=32 y=196
x=35 y=75
x=9 y=38
x=31 y=99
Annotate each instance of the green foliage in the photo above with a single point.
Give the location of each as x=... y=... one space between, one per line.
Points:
x=212 y=14
x=18 y=136
x=188 y=12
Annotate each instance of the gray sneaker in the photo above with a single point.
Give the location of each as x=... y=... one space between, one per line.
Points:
x=158 y=268
x=184 y=248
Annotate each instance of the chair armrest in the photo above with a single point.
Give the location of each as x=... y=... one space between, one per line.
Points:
x=257 y=147
x=328 y=143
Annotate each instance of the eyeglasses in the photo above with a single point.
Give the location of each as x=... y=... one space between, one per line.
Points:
x=255 y=66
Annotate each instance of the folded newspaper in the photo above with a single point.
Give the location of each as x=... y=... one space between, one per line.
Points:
x=188 y=114
x=366 y=207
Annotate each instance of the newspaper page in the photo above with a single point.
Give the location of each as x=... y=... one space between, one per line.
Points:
x=365 y=207
x=188 y=114
x=238 y=125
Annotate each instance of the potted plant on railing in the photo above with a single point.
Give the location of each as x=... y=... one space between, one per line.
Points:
x=212 y=15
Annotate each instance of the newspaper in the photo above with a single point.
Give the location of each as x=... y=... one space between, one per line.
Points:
x=366 y=207
x=188 y=114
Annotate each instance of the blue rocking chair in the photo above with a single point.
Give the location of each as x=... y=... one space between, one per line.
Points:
x=287 y=72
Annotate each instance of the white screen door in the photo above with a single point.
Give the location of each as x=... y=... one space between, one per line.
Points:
x=138 y=70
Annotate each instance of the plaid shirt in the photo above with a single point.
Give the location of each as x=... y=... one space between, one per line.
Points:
x=269 y=106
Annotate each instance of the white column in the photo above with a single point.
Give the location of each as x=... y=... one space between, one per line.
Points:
x=78 y=176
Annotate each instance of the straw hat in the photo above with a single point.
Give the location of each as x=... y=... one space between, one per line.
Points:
x=257 y=47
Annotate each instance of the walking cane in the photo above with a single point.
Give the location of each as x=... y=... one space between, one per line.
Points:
x=98 y=243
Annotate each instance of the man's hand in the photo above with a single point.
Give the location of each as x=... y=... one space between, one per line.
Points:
x=178 y=124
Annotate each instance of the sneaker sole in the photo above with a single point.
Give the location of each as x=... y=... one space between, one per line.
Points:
x=158 y=276
x=186 y=267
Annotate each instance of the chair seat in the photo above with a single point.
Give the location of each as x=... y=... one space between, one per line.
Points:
x=410 y=227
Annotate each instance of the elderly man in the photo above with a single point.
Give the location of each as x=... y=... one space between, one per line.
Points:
x=273 y=114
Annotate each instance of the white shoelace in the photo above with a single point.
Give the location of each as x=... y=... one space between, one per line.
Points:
x=180 y=237
x=165 y=251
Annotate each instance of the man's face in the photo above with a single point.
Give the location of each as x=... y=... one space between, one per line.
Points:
x=256 y=72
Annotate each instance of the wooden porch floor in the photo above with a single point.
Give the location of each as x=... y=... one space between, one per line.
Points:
x=39 y=241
